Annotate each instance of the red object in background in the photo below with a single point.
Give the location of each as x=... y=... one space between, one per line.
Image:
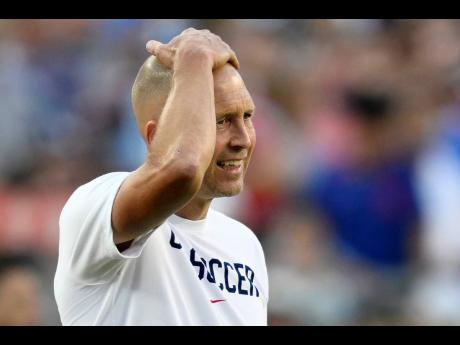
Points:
x=30 y=219
x=261 y=207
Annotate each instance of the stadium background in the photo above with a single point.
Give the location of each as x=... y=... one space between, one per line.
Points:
x=354 y=187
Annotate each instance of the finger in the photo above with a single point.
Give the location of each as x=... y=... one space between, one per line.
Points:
x=152 y=46
x=234 y=60
x=188 y=30
x=166 y=56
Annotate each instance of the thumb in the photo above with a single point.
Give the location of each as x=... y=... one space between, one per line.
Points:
x=152 y=46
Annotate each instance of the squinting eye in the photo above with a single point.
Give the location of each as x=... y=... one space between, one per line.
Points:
x=221 y=121
x=247 y=115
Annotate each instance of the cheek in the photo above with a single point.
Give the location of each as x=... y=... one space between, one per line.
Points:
x=217 y=153
x=252 y=135
x=220 y=145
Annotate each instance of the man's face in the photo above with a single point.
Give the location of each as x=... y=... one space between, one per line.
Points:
x=235 y=135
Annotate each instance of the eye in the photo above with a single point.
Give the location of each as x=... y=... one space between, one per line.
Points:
x=247 y=116
x=221 y=122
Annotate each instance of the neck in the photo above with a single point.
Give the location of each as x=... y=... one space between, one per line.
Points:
x=196 y=209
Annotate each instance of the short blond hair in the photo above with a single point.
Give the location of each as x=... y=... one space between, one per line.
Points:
x=152 y=84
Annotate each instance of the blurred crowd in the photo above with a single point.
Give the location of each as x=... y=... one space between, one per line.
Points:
x=354 y=186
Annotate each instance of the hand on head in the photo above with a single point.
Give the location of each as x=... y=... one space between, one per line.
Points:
x=192 y=41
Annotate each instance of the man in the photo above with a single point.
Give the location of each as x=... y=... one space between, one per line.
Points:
x=144 y=248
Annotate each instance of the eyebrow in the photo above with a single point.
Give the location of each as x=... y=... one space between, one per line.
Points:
x=248 y=111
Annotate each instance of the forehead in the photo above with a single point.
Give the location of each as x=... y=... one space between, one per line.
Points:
x=230 y=93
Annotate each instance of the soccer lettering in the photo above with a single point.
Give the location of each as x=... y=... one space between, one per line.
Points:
x=241 y=274
x=250 y=275
x=197 y=263
x=241 y=278
x=211 y=276
x=173 y=242
x=231 y=289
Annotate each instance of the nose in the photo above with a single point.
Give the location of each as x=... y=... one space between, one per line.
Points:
x=241 y=138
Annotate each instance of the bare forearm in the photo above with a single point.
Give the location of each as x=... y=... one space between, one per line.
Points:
x=179 y=154
x=181 y=142
x=187 y=126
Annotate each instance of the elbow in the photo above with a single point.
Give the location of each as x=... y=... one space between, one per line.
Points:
x=189 y=175
x=187 y=170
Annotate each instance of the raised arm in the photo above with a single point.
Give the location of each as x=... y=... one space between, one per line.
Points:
x=180 y=142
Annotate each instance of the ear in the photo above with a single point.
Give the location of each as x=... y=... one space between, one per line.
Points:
x=149 y=131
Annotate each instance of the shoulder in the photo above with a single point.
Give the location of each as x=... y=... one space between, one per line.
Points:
x=90 y=193
x=236 y=226
x=223 y=218
x=103 y=181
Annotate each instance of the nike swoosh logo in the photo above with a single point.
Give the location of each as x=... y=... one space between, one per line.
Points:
x=217 y=300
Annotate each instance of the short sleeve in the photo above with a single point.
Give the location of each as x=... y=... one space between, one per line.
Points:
x=86 y=246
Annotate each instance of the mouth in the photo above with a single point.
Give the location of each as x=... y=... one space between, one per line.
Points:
x=231 y=166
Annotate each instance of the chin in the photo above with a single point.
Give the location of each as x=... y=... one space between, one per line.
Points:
x=226 y=191
x=226 y=194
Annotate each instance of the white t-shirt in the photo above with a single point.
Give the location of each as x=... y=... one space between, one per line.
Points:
x=206 y=272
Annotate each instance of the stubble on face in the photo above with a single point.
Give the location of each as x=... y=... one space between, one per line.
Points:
x=214 y=189
x=231 y=96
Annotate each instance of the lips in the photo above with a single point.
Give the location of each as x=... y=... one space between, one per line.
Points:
x=230 y=164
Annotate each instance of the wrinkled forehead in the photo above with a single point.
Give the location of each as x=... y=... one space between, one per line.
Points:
x=230 y=92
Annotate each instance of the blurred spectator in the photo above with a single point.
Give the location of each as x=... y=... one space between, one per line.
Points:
x=438 y=182
x=19 y=291
x=438 y=185
x=369 y=201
